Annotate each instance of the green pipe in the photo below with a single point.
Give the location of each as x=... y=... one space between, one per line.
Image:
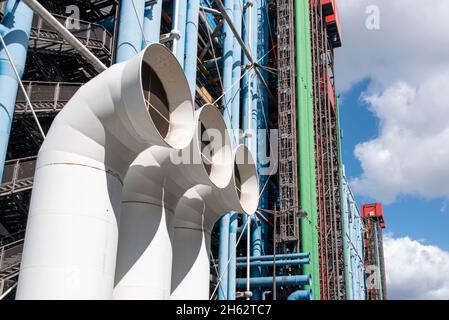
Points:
x=344 y=203
x=306 y=152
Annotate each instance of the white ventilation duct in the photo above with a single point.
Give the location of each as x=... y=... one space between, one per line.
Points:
x=72 y=232
x=196 y=214
x=153 y=186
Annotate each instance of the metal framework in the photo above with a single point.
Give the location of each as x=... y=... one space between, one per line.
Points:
x=10 y=258
x=287 y=219
x=374 y=261
x=93 y=36
x=331 y=259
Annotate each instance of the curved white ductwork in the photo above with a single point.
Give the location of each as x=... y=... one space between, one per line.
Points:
x=155 y=183
x=72 y=232
x=195 y=216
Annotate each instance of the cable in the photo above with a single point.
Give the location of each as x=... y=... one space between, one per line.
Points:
x=215 y=268
x=140 y=23
x=22 y=87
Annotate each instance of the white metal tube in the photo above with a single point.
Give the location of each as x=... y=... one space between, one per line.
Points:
x=153 y=187
x=196 y=214
x=72 y=230
x=66 y=34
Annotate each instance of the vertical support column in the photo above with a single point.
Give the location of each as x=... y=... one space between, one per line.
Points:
x=152 y=23
x=191 y=43
x=263 y=138
x=15 y=31
x=225 y=245
x=130 y=30
x=223 y=257
x=235 y=124
x=256 y=116
x=247 y=92
x=306 y=152
x=246 y=81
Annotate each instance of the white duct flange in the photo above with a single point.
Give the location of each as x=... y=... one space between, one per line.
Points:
x=72 y=231
x=155 y=182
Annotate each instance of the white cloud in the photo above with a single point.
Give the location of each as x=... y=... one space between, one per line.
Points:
x=411 y=153
x=407 y=61
x=415 y=270
x=410 y=44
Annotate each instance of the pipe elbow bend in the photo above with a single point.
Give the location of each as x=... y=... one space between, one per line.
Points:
x=76 y=200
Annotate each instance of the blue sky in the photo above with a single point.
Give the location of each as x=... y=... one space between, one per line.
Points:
x=411 y=216
x=392 y=74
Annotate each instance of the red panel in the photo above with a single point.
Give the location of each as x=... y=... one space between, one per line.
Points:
x=332 y=19
x=373 y=210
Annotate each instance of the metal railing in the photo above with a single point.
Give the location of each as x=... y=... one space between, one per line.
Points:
x=13 y=237
x=11 y=254
x=45 y=96
x=18 y=175
x=10 y=259
x=92 y=35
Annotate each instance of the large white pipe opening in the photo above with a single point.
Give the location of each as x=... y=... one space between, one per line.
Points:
x=195 y=216
x=72 y=231
x=155 y=182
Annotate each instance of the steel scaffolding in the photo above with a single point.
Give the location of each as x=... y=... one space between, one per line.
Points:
x=332 y=279
x=287 y=218
x=374 y=260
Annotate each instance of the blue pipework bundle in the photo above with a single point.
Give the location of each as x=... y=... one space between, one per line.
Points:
x=15 y=31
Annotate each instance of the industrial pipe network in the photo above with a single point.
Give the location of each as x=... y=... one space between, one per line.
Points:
x=116 y=211
x=81 y=226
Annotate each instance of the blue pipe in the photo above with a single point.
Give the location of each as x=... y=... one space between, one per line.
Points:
x=179 y=20
x=267 y=282
x=236 y=72
x=16 y=28
x=278 y=257
x=223 y=256
x=152 y=23
x=232 y=252
x=231 y=118
x=191 y=43
x=278 y=263
x=227 y=60
x=129 y=41
x=246 y=97
x=301 y=295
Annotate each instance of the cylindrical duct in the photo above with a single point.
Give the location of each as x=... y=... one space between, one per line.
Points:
x=153 y=186
x=71 y=237
x=196 y=215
